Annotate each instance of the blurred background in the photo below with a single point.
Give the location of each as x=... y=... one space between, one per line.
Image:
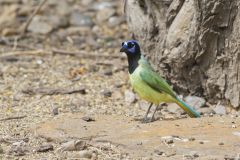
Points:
x=60 y=59
x=78 y=25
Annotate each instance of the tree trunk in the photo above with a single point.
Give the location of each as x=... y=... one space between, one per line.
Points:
x=193 y=43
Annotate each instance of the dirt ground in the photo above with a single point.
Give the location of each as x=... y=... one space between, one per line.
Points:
x=64 y=92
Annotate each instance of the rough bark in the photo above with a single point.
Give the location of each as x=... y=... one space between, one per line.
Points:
x=193 y=43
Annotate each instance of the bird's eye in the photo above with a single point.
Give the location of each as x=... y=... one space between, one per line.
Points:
x=130 y=44
x=122 y=43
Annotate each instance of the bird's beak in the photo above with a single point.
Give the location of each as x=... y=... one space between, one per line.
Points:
x=123 y=49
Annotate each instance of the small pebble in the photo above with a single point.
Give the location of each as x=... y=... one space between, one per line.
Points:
x=170 y=153
x=221 y=143
x=195 y=154
x=83 y=154
x=106 y=93
x=220 y=109
x=201 y=142
x=192 y=155
x=236 y=133
x=55 y=111
x=169 y=141
x=108 y=72
x=139 y=143
x=129 y=97
x=195 y=102
x=79 y=19
x=74 y=145
x=158 y=152
x=192 y=139
x=88 y=119
x=45 y=148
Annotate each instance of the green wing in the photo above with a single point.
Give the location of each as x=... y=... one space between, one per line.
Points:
x=155 y=81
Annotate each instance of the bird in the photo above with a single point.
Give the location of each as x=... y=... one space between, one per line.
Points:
x=148 y=84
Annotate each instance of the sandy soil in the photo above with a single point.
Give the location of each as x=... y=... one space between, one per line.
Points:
x=68 y=69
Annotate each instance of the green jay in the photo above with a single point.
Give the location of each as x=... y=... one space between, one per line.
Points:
x=148 y=84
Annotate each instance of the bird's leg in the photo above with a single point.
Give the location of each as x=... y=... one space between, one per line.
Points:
x=145 y=120
x=152 y=119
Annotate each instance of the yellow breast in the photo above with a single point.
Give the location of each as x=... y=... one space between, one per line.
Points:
x=145 y=91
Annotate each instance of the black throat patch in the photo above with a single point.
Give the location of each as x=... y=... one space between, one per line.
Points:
x=133 y=62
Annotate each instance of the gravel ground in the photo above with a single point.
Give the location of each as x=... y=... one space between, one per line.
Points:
x=67 y=61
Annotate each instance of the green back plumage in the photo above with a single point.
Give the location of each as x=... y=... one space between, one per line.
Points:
x=153 y=79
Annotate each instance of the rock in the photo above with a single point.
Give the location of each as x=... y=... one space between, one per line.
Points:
x=205 y=110
x=159 y=152
x=88 y=119
x=82 y=30
x=45 y=148
x=57 y=21
x=83 y=154
x=170 y=153
x=87 y=2
x=115 y=21
x=102 y=5
x=106 y=93
x=55 y=111
x=169 y=141
x=18 y=149
x=221 y=143
x=38 y=25
x=191 y=139
x=8 y=17
x=169 y=117
x=201 y=142
x=143 y=104
x=79 y=19
x=39 y=61
x=220 y=109
x=236 y=133
x=174 y=108
x=108 y=72
x=192 y=155
x=129 y=97
x=195 y=102
x=74 y=145
x=63 y=8
x=105 y=14
x=52 y=3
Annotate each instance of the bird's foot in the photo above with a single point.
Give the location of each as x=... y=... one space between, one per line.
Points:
x=148 y=120
x=152 y=118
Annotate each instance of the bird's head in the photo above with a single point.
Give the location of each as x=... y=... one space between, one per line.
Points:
x=131 y=48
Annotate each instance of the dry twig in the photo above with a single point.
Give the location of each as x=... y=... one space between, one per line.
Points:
x=53 y=91
x=11 y=118
x=83 y=54
x=14 y=54
x=5 y=41
x=24 y=29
